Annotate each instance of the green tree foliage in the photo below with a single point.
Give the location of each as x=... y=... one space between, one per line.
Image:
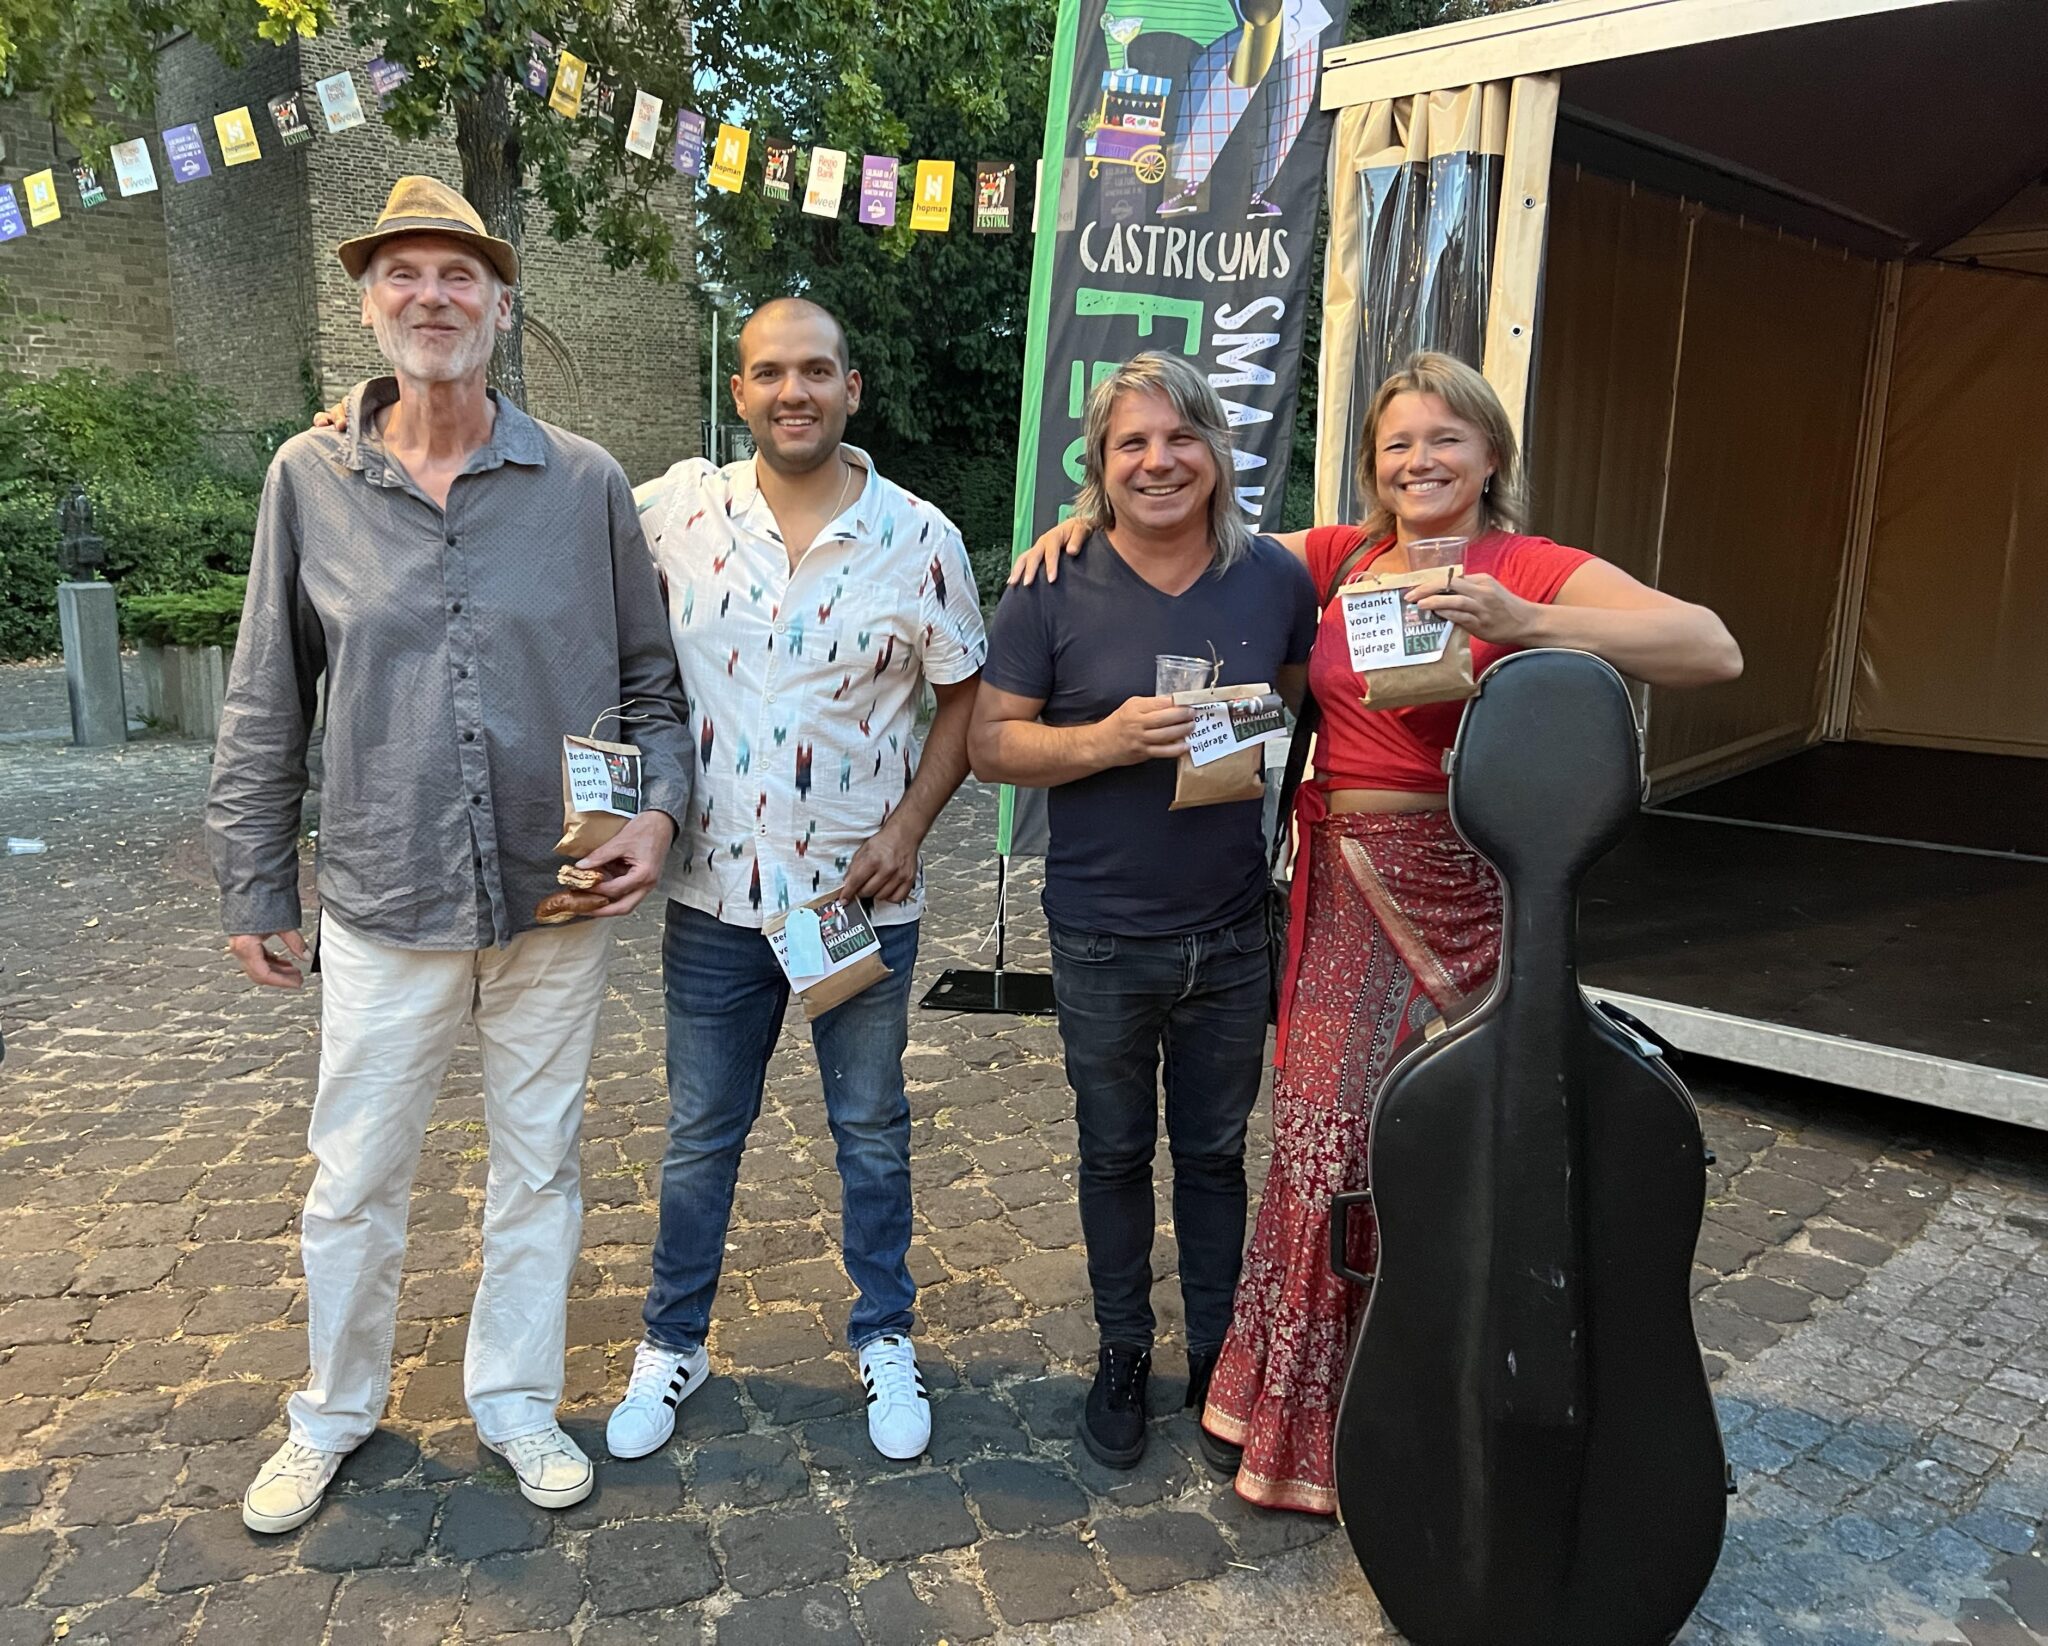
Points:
x=935 y=321
x=174 y=510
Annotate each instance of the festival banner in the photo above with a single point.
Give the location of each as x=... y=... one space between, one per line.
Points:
x=688 y=154
x=134 y=172
x=339 y=101
x=606 y=95
x=995 y=196
x=540 y=58
x=41 y=187
x=237 y=136
x=778 y=167
x=185 y=150
x=567 y=97
x=1187 y=153
x=11 y=225
x=878 y=190
x=729 y=159
x=290 y=118
x=646 y=122
x=91 y=192
x=827 y=184
x=931 y=208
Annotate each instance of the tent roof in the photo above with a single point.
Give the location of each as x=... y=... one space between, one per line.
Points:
x=1894 y=134
x=1890 y=127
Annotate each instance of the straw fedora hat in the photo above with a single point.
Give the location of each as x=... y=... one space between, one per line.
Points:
x=419 y=205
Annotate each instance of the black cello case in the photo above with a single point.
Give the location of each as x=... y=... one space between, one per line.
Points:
x=1526 y=1450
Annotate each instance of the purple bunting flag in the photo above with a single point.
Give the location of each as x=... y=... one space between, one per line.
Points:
x=688 y=154
x=878 y=190
x=185 y=149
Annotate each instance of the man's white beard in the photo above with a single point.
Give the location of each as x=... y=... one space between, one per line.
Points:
x=425 y=363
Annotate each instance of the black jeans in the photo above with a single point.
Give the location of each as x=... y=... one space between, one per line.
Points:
x=1201 y=1000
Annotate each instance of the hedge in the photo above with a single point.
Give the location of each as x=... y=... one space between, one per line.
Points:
x=208 y=616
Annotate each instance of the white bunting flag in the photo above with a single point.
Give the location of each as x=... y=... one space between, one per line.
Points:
x=133 y=169
x=340 y=101
x=646 y=120
x=827 y=182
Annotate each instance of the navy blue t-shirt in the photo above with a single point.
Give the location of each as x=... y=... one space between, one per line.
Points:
x=1120 y=861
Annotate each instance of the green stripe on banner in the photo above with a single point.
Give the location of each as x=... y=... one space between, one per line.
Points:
x=1051 y=175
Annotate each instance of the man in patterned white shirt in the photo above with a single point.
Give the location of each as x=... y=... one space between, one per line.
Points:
x=810 y=600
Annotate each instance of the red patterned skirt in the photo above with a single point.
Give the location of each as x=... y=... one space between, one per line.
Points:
x=1402 y=922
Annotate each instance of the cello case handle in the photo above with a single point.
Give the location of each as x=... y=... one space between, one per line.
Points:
x=1340 y=1235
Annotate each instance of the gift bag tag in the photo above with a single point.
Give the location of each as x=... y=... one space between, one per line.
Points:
x=806 y=942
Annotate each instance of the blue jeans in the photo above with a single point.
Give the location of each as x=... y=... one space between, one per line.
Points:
x=726 y=999
x=1201 y=1001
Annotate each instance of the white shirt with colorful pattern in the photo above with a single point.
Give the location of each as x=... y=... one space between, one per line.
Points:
x=803 y=686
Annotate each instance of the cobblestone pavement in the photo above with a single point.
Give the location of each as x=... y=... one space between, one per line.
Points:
x=1872 y=1289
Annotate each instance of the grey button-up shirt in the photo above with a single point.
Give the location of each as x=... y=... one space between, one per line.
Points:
x=459 y=648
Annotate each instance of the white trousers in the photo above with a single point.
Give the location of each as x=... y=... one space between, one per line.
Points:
x=389 y=1022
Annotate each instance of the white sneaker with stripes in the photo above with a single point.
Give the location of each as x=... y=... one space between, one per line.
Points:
x=662 y=1380
x=899 y=1410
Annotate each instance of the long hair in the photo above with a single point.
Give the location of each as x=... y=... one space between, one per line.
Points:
x=1502 y=506
x=1187 y=391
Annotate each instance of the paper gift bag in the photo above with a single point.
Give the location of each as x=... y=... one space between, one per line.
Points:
x=1401 y=653
x=600 y=792
x=847 y=944
x=1226 y=759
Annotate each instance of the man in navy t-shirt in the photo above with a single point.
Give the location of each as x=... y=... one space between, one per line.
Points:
x=1157 y=917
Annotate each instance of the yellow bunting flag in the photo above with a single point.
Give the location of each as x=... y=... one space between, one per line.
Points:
x=237 y=134
x=42 y=197
x=729 y=159
x=933 y=203
x=567 y=97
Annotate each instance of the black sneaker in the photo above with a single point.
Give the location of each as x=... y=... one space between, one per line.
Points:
x=1220 y=1455
x=1113 y=1422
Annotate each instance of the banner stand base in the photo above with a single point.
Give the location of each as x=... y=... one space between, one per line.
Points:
x=1018 y=994
x=1021 y=994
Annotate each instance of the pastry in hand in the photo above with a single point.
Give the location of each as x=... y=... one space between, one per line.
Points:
x=579 y=880
x=558 y=907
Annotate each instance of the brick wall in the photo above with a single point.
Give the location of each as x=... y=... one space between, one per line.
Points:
x=610 y=355
x=240 y=259
x=90 y=289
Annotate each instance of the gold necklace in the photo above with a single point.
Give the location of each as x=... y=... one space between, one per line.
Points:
x=839 y=507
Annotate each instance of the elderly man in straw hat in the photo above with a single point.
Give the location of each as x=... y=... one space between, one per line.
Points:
x=473 y=585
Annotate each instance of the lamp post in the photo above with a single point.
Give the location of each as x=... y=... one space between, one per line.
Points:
x=718 y=294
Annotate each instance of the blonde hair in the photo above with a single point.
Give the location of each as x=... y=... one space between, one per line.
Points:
x=1471 y=399
x=1194 y=402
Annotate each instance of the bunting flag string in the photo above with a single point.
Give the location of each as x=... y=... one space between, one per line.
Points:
x=572 y=87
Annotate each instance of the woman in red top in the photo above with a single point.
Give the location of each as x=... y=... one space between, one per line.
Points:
x=1396 y=920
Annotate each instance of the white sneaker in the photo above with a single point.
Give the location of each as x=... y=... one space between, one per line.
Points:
x=899 y=1411
x=552 y=1470
x=289 y=1487
x=662 y=1380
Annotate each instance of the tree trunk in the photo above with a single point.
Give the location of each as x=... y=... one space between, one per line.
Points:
x=487 y=141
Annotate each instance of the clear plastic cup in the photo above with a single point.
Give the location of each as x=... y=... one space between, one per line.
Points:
x=1180 y=674
x=1427 y=552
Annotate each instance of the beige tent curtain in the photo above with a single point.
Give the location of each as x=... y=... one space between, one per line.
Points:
x=1415 y=258
x=1954 y=643
x=1697 y=422
x=1773 y=379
